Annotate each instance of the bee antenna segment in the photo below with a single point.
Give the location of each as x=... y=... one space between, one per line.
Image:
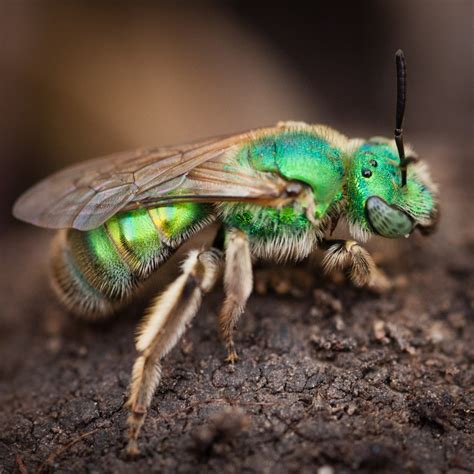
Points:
x=401 y=101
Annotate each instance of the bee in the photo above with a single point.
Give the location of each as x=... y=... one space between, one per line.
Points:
x=276 y=193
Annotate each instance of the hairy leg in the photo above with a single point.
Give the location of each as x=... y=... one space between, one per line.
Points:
x=238 y=283
x=363 y=271
x=168 y=317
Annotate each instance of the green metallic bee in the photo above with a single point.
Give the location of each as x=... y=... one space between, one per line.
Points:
x=276 y=193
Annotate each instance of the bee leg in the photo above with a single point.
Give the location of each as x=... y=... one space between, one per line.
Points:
x=161 y=329
x=238 y=284
x=363 y=270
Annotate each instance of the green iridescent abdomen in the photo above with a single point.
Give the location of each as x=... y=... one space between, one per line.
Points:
x=95 y=271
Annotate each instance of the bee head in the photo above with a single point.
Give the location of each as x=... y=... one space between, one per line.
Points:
x=378 y=202
x=389 y=191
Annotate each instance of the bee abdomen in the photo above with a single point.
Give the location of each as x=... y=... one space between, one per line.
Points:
x=89 y=275
x=95 y=272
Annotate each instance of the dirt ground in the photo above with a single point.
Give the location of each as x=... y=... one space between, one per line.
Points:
x=331 y=379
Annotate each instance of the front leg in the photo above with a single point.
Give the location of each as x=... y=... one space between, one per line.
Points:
x=238 y=283
x=363 y=271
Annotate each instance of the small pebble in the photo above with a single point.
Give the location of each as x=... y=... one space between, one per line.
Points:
x=325 y=470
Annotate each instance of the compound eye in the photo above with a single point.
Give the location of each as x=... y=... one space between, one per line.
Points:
x=388 y=221
x=366 y=173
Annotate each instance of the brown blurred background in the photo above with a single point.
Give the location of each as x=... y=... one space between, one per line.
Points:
x=80 y=80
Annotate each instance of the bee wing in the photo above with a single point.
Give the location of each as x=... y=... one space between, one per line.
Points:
x=86 y=195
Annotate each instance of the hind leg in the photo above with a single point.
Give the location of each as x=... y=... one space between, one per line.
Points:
x=166 y=322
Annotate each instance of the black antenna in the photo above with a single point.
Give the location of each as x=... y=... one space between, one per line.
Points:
x=401 y=100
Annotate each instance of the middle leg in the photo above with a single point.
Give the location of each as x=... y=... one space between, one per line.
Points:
x=238 y=284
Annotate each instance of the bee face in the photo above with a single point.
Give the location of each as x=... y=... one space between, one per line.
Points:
x=378 y=202
x=372 y=184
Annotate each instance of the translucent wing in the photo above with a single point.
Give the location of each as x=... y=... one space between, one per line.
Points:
x=86 y=195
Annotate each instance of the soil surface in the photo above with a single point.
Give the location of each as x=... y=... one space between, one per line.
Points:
x=331 y=379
